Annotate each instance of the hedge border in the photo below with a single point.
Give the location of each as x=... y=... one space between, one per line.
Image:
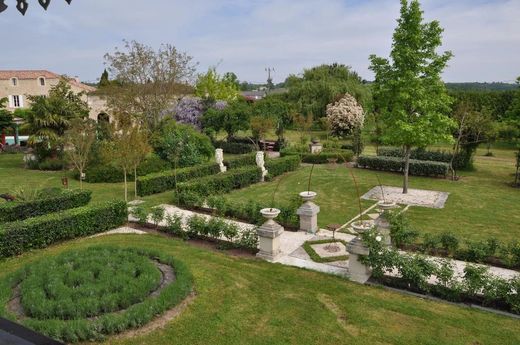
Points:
x=417 y=168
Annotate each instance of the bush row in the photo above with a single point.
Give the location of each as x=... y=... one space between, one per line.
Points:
x=280 y=166
x=40 y=232
x=111 y=174
x=415 y=272
x=461 y=161
x=13 y=211
x=234 y=148
x=165 y=181
x=417 y=167
x=325 y=157
x=446 y=244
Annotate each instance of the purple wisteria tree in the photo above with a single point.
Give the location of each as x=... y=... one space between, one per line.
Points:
x=189 y=111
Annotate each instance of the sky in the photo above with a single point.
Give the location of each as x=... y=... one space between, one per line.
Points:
x=246 y=36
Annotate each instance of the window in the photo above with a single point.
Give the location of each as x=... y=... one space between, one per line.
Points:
x=16 y=101
x=14 y=81
x=41 y=81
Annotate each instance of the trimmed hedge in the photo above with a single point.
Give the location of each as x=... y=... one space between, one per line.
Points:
x=343 y=156
x=461 y=161
x=15 y=211
x=40 y=232
x=221 y=183
x=417 y=167
x=234 y=148
x=280 y=166
x=165 y=181
x=111 y=174
x=238 y=162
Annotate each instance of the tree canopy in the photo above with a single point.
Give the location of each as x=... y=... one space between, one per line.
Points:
x=214 y=87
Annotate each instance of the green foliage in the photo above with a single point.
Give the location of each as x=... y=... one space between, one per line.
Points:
x=135 y=316
x=40 y=232
x=215 y=87
x=341 y=156
x=307 y=246
x=461 y=161
x=167 y=180
x=108 y=173
x=51 y=115
x=182 y=145
x=231 y=119
x=6 y=117
x=157 y=215
x=321 y=85
x=417 y=167
x=174 y=225
x=401 y=232
x=43 y=204
x=93 y=282
x=276 y=109
x=280 y=166
x=241 y=161
x=140 y=213
x=234 y=147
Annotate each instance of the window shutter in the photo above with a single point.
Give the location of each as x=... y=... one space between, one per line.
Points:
x=11 y=103
x=21 y=101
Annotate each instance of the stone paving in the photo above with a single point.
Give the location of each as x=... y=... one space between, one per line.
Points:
x=415 y=197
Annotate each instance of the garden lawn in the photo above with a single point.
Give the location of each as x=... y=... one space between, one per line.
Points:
x=247 y=301
x=481 y=204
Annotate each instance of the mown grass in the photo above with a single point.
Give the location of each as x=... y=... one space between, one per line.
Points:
x=247 y=301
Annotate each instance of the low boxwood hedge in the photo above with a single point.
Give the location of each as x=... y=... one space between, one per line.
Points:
x=279 y=166
x=40 y=232
x=234 y=148
x=341 y=156
x=165 y=181
x=417 y=168
x=13 y=211
x=461 y=161
x=111 y=174
x=221 y=183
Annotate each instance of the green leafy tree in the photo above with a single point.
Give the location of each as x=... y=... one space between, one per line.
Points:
x=212 y=86
x=276 y=109
x=51 y=116
x=321 y=85
x=78 y=142
x=6 y=119
x=408 y=90
x=512 y=120
x=104 y=81
x=235 y=117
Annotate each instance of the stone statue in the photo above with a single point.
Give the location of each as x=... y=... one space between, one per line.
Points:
x=219 y=156
x=260 y=162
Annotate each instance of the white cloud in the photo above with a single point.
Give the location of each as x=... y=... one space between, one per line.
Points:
x=249 y=35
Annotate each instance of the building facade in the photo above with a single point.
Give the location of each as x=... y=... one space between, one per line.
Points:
x=17 y=85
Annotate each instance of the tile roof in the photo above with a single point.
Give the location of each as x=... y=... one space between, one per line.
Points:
x=27 y=74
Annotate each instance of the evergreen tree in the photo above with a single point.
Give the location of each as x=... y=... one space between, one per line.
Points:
x=104 y=81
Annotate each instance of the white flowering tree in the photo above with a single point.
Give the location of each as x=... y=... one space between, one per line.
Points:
x=345 y=116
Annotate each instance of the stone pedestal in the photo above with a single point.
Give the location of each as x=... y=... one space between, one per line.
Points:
x=382 y=224
x=269 y=236
x=315 y=148
x=308 y=213
x=358 y=271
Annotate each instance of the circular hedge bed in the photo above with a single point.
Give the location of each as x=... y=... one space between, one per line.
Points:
x=89 y=293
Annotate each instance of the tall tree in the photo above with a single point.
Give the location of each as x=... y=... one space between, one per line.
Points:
x=78 y=142
x=147 y=82
x=233 y=118
x=104 y=81
x=51 y=116
x=213 y=87
x=512 y=120
x=408 y=90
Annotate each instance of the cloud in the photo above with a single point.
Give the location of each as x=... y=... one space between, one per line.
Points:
x=245 y=36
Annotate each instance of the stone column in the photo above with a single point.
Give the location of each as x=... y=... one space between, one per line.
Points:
x=358 y=271
x=269 y=235
x=219 y=157
x=308 y=213
x=382 y=224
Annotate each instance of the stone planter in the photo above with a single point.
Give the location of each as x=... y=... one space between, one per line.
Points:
x=384 y=206
x=308 y=213
x=362 y=226
x=269 y=235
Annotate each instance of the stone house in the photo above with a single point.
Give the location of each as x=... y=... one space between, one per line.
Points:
x=17 y=85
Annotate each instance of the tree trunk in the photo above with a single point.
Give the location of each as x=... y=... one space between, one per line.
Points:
x=135 y=182
x=3 y=136
x=407 y=152
x=126 y=186
x=80 y=179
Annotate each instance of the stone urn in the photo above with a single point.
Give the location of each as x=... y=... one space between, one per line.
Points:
x=386 y=205
x=362 y=226
x=270 y=213
x=269 y=235
x=308 y=196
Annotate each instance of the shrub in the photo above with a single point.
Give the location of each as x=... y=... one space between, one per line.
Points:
x=242 y=161
x=106 y=173
x=280 y=166
x=461 y=161
x=157 y=215
x=417 y=167
x=140 y=213
x=234 y=148
x=174 y=225
x=221 y=183
x=400 y=229
x=449 y=242
x=40 y=232
x=164 y=181
x=13 y=211
x=342 y=156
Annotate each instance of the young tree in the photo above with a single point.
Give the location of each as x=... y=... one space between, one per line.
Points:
x=211 y=86
x=140 y=150
x=260 y=126
x=120 y=150
x=303 y=124
x=147 y=82
x=78 y=142
x=233 y=118
x=408 y=90
x=276 y=109
x=51 y=116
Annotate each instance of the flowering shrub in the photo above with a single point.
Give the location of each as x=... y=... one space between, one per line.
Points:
x=345 y=115
x=189 y=110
